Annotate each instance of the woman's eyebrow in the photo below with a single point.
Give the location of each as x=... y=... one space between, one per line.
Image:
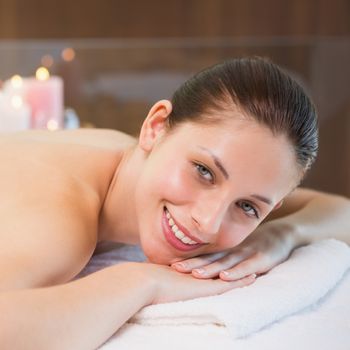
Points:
x=262 y=199
x=217 y=162
x=225 y=173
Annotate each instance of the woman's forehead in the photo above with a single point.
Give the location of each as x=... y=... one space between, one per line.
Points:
x=248 y=152
x=233 y=129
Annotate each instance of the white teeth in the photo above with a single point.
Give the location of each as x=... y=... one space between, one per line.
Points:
x=178 y=233
x=186 y=240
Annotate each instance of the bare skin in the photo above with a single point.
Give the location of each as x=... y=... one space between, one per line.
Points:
x=55 y=192
x=60 y=198
x=51 y=200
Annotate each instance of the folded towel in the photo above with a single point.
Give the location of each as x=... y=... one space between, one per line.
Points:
x=301 y=281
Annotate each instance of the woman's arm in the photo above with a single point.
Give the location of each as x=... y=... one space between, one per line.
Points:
x=85 y=313
x=305 y=217
x=312 y=215
x=77 y=315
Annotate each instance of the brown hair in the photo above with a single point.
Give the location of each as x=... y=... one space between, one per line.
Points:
x=261 y=89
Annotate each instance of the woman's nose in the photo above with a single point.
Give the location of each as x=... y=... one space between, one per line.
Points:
x=208 y=216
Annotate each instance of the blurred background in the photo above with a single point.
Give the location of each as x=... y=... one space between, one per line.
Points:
x=117 y=57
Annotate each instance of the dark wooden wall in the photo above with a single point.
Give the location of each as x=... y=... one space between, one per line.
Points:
x=301 y=25
x=46 y=19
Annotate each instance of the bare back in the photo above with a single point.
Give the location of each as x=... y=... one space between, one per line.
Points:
x=52 y=186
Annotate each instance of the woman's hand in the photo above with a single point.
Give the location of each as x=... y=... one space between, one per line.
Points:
x=269 y=245
x=170 y=285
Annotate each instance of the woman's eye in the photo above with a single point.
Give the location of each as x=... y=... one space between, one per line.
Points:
x=204 y=172
x=249 y=209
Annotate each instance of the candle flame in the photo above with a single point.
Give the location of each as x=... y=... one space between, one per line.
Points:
x=52 y=125
x=42 y=74
x=16 y=81
x=17 y=101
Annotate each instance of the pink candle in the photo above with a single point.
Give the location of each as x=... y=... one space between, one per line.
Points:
x=44 y=94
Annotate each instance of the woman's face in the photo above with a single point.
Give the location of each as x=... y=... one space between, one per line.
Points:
x=205 y=188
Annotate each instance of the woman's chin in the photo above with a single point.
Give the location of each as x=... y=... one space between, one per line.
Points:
x=157 y=259
x=156 y=256
x=158 y=253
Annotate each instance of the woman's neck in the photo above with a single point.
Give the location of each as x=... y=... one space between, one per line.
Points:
x=118 y=221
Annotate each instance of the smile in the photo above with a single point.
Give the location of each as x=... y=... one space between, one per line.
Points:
x=175 y=235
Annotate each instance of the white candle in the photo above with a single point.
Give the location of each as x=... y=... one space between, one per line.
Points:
x=14 y=113
x=43 y=94
x=14 y=86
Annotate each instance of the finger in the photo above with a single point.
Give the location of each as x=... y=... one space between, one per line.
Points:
x=228 y=285
x=213 y=270
x=243 y=282
x=189 y=264
x=247 y=267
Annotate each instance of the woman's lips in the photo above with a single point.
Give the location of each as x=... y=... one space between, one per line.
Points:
x=172 y=240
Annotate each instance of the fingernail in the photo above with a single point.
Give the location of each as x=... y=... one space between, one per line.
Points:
x=225 y=273
x=200 y=271
x=180 y=265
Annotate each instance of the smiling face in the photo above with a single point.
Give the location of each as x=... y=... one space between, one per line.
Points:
x=205 y=188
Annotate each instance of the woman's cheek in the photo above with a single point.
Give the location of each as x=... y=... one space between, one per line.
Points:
x=233 y=236
x=177 y=186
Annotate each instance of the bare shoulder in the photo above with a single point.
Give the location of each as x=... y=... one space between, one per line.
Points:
x=46 y=238
x=52 y=187
x=100 y=138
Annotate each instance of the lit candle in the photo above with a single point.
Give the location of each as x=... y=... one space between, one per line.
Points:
x=44 y=94
x=14 y=86
x=14 y=113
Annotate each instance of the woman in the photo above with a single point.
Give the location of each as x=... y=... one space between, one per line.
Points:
x=207 y=169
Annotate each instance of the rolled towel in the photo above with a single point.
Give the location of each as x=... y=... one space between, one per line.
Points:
x=301 y=281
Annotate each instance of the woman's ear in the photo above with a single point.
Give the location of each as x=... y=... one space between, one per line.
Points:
x=154 y=125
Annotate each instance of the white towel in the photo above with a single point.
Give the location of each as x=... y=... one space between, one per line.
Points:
x=301 y=281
